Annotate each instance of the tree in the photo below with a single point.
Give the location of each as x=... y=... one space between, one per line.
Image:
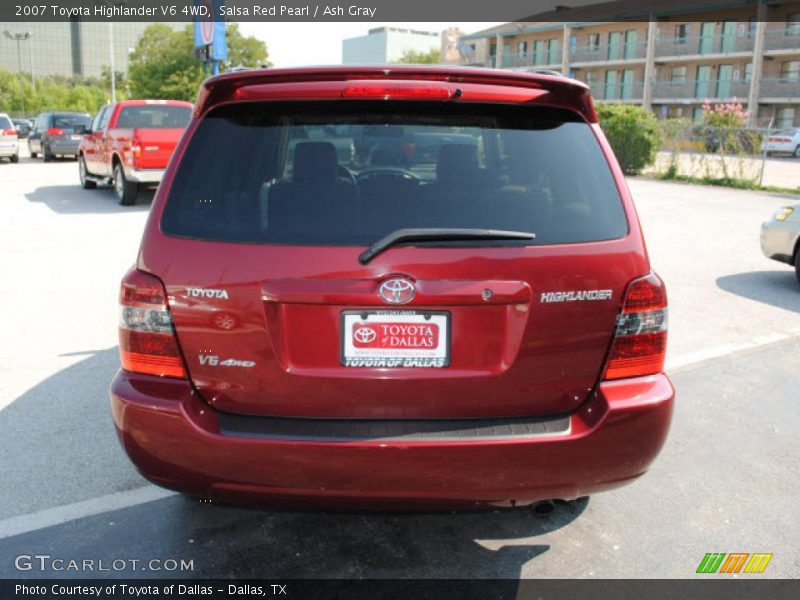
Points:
x=51 y=93
x=163 y=64
x=633 y=133
x=412 y=57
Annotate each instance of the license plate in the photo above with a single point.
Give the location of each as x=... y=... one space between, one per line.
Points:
x=395 y=339
x=76 y=138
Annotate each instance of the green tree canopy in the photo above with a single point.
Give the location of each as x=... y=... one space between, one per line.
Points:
x=412 y=57
x=163 y=64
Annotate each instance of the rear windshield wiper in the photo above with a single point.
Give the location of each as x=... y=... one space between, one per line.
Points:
x=436 y=234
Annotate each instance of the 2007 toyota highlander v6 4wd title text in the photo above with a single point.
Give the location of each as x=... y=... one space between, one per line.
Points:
x=392 y=287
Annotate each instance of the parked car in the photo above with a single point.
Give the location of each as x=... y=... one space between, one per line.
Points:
x=478 y=327
x=9 y=139
x=130 y=143
x=23 y=127
x=786 y=141
x=780 y=237
x=57 y=134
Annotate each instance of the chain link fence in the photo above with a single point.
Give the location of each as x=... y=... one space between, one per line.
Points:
x=732 y=156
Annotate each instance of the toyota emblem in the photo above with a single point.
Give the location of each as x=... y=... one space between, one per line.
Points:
x=364 y=335
x=397 y=291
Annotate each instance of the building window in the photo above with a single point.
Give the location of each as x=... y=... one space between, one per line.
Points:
x=784 y=118
x=678 y=74
x=748 y=72
x=539 y=53
x=681 y=33
x=522 y=48
x=594 y=41
x=793 y=24
x=752 y=25
x=697 y=114
x=553 y=51
x=790 y=70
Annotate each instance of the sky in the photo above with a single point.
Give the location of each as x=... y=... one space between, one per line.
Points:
x=297 y=44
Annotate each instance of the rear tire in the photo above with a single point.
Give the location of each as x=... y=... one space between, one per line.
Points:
x=86 y=183
x=15 y=158
x=46 y=156
x=797 y=152
x=797 y=264
x=125 y=190
x=34 y=154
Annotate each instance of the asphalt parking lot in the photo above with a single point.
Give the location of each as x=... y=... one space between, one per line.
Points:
x=725 y=482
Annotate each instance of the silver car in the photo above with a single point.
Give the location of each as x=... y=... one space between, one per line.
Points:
x=9 y=139
x=780 y=237
x=786 y=141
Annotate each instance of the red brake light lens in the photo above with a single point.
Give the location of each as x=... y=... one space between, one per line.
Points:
x=397 y=91
x=55 y=131
x=640 y=340
x=147 y=341
x=12 y=132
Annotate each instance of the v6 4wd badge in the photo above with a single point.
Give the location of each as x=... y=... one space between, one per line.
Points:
x=211 y=360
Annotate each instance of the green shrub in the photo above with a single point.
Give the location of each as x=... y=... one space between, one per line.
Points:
x=633 y=133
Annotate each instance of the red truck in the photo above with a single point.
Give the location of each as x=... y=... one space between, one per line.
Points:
x=130 y=143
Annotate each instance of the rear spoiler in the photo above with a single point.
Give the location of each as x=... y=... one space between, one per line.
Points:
x=464 y=84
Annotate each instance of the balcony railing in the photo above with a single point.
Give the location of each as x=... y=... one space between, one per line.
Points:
x=528 y=59
x=780 y=88
x=619 y=91
x=706 y=44
x=701 y=89
x=787 y=38
x=605 y=53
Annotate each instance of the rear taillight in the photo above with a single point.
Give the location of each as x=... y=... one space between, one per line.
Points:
x=12 y=132
x=55 y=131
x=640 y=339
x=147 y=342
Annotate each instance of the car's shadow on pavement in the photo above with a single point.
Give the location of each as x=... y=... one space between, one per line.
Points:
x=776 y=288
x=73 y=199
x=59 y=447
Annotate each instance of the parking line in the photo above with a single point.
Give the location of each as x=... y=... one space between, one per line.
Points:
x=685 y=360
x=85 y=508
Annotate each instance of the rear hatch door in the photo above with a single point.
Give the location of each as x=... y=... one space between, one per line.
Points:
x=276 y=315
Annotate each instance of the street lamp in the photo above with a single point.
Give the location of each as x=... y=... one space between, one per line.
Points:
x=21 y=37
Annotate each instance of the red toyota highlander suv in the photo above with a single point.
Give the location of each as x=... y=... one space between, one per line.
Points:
x=392 y=287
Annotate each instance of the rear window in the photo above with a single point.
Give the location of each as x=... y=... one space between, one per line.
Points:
x=154 y=117
x=351 y=173
x=5 y=123
x=70 y=121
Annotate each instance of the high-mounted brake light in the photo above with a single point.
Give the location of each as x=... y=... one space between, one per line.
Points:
x=397 y=91
x=55 y=131
x=147 y=341
x=640 y=339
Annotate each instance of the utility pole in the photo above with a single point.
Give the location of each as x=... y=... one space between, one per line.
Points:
x=111 y=50
x=113 y=3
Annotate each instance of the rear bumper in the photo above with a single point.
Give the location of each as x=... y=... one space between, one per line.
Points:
x=173 y=437
x=786 y=148
x=9 y=149
x=64 y=147
x=144 y=175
